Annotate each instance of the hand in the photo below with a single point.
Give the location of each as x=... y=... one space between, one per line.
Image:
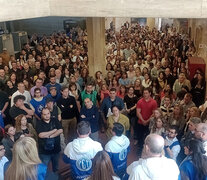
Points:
x=144 y=123
x=22 y=107
x=83 y=116
x=3 y=115
x=128 y=110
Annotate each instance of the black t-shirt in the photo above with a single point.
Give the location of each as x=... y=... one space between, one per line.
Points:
x=68 y=107
x=42 y=126
x=130 y=102
x=15 y=111
x=3 y=99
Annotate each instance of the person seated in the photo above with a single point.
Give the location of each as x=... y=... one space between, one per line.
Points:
x=118 y=149
x=26 y=163
x=102 y=168
x=80 y=152
x=153 y=164
x=194 y=166
x=172 y=145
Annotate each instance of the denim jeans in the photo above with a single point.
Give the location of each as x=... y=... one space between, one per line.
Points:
x=46 y=158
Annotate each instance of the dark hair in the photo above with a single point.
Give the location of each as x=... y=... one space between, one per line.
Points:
x=198 y=158
x=83 y=128
x=175 y=128
x=37 y=89
x=72 y=84
x=147 y=89
x=16 y=98
x=102 y=167
x=64 y=87
x=118 y=129
x=112 y=89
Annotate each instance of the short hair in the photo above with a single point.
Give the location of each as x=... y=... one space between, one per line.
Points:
x=16 y=98
x=114 y=107
x=37 y=89
x=147 y=89
x=112 y=89
x=195 y=120
x=52 y=76
x=64 y=87
x=155 y=143
x=83 y=128
x=203 y=127
x=118 y=129
x=174 y=127
x=188 y=95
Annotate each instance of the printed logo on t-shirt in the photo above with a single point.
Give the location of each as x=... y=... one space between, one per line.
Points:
x=84 y=164
x=40 y=108
x=123 y=154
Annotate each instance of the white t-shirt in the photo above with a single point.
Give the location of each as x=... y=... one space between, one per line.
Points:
x=155 y=168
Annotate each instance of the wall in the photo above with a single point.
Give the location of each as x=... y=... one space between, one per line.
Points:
x=120 y=22
x=45 y=25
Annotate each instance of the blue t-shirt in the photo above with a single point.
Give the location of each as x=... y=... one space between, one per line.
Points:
x=38 y=106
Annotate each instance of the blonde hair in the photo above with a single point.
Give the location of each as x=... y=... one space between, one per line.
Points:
x=25 y=160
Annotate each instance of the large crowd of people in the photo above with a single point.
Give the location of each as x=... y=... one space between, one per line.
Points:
x=50 y=105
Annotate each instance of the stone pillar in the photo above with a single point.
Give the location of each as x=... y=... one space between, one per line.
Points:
x=96 y=44
x=151 y=23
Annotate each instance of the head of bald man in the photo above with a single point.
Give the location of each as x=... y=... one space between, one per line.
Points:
x=154 y=144
x=201 y=131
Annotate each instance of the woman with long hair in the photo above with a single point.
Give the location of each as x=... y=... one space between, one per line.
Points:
x=102 y=168
x=122 y=92
x=24 y=127
x=26 y=164
x=8 y=140
x=194 y=166
x=198 y=87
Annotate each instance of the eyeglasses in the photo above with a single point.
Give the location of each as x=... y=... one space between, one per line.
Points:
x=37 y=92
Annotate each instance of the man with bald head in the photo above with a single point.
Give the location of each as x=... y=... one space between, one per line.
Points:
x=201 y=133
x=153 y=165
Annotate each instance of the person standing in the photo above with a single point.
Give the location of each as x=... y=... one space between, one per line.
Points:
x=49 y=131
x=90 y=113
x=118 y=149
x=145 y=108
x=153 y=165
x=80 y=152
x=70 y=114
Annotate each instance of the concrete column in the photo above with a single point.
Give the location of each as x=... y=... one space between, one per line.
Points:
x=96 y=44
x=151 y=23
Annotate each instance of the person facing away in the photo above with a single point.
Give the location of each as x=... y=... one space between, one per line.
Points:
x=80 y=152
x=118 y=149
x=152 y=165
x=102 y=168
x=26 y=164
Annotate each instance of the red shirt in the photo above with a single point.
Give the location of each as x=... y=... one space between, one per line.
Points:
x=147 y=108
